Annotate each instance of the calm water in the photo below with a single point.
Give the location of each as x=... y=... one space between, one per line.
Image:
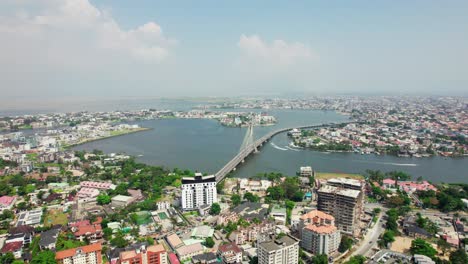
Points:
x=206 y=146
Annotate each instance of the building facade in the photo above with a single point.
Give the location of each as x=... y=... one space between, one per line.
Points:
x=199 y=191
x=90 y=254
x=284 y=250
x=318 y=233
x=343 y=199
x=155 y=254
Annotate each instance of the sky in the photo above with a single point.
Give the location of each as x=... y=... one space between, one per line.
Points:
x=149 y=48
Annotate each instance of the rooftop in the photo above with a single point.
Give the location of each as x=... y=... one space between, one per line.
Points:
x=274 y=245
x=73 y=251
x=317 y=213
x=339 y=191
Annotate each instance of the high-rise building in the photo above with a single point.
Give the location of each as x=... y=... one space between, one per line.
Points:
x=343 y=199
x=318 y=233
x=198 y=191
x=90 y=254
x=284 y=250
x=155 y=254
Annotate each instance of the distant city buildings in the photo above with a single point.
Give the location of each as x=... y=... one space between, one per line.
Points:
x=199 y=191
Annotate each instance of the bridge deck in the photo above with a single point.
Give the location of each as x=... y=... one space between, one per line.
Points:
x=244 y=153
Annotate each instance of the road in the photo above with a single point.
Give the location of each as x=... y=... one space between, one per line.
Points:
x=370 y=239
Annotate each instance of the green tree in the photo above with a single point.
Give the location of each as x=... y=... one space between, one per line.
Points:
x=345 y=244
x=388 y=237
x=209 y=242
x=254 y=260
x=7 y=258
x=107 y=233
x=320 y=259
x=251 y=197
x=119 y=242
x=103 y=199
x=215 y=209
x=44 y=257
x=420 y=246
x=458 y=257
x=235 y=199
x=358 y=259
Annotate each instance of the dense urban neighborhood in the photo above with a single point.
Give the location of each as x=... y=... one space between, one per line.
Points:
x=60 y=205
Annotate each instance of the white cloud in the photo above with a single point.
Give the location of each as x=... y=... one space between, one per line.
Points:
x=279 y=52
x=68 y=30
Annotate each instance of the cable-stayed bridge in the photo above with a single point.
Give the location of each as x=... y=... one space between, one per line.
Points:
x=249 y=146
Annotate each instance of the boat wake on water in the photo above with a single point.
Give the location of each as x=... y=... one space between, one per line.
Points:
x=276 y=147
x=291 y=148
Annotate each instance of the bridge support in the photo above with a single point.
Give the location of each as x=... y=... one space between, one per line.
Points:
x=255 y=150
x=242 y=161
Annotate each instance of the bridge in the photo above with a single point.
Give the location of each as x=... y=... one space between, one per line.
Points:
x=248 y=147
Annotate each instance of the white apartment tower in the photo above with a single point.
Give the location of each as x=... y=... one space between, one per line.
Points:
x=198 y=191
x=284 y=250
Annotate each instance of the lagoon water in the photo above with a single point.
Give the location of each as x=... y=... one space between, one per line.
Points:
x=205 y=145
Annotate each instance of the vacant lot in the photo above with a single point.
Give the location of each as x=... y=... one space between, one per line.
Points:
x=331 y=175
x=401 y=244
x=55 y=217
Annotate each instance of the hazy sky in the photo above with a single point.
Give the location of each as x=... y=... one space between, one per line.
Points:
x=87 y=48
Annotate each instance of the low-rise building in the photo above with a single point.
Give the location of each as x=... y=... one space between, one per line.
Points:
x=121 y=201
x=49 y=239
x=230 y=253
x=187 y=251
x=7 y=202
x=16 y=248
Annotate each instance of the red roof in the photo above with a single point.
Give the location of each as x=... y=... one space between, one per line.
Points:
x=12 y=246
x=173 y=258
x=71 y=252
x=229 y=247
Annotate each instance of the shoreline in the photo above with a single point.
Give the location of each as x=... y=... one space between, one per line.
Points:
x=67 y=147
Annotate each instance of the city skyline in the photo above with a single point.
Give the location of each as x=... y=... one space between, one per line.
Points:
x=94 y=49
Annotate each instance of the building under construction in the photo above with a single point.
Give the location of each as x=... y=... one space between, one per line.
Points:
x=343 y=199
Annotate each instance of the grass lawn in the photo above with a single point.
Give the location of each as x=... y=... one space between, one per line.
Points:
x=331 y=175
x=55 y=217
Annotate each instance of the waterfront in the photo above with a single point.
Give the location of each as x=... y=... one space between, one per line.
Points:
x=205 y=145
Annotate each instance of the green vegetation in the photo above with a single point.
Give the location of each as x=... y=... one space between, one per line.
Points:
x=7 y=163
x=209 y=242
x=392 y=218
x=236 y=200
x=458 y=257
x=288 y=189
x=44 y=257
x=103 y=199
x=251 y=197
x=447 y=199
x=64 y=243
x=387 y=238
x=345 y=244
x=427 y=224
x=55 y=217
x=358 y=259
x=215 y=209
x=320 y=259
x=420 y=246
